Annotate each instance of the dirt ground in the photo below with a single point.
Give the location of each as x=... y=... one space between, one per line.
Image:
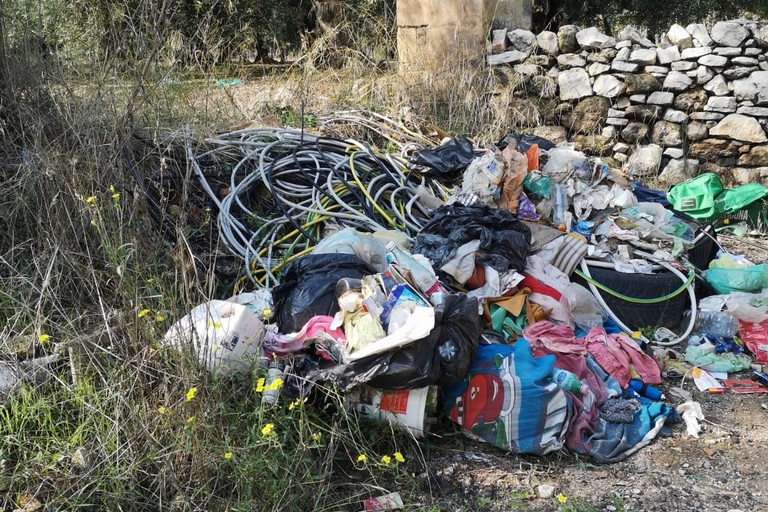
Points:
x=723 y=470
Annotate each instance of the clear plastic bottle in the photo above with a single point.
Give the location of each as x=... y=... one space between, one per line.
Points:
x=721 y=324
x=559 y=205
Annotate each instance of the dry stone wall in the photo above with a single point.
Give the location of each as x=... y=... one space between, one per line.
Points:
x=695 y=102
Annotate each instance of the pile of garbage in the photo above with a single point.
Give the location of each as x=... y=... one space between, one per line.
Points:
x=537 y=295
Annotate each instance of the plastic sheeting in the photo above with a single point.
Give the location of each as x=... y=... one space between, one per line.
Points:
x=308 y=286
x=504 y=239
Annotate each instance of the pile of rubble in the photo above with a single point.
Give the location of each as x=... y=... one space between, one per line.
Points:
x=532 y=288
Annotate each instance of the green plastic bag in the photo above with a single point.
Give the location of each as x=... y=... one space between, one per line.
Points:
x=697 y=197
x=727 y=362
x=746 y=202
x=727 y=280
x=537 y=185
x=740 y=197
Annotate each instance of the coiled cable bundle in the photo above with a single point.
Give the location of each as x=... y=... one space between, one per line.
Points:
x=284 y=185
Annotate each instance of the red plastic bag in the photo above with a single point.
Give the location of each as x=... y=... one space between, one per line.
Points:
x=755 y=337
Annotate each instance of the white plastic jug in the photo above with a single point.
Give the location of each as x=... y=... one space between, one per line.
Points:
x=225 y=336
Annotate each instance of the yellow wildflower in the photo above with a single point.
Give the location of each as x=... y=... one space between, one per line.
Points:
x=561 y=498
x=162 y=410
x=267 y=429
x=228 y=455
x=143 y=313
x=274 y=385
x=297 y=403
x=191 y=394
x=159 y=318
x=191 y=419
x=44 y=338
x=398 y=457
x=150 y=280
x=362 y=458
x=317 y=436
x=386 y=459
x=260 y=385
x=116 y=196
x=91 y=200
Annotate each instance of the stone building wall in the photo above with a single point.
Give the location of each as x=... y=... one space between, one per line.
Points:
x=695 y=102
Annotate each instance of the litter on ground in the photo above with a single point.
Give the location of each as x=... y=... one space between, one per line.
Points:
x=539 y=299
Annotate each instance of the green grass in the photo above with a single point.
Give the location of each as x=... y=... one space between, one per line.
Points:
x=85 y=271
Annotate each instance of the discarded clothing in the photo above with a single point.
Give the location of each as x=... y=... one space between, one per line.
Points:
x=618 y=356
x=555 y=338
x=546 y=338
x=508 y=316
x=546 y=273
x=565 y=253
x=619 y=410
x=712 y=362
x=614 y=442
x=318 y=327
x=462 y=265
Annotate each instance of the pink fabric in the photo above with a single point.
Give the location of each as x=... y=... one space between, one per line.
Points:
x=316 y=327
x=557 y=338
x=619 y=356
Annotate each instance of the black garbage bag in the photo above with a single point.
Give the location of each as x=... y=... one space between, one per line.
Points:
x=523 y=142
x=308 y=284
x=448 y=160
x=504 y=239
x=443 y=357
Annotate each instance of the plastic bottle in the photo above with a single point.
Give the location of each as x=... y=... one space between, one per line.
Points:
x=559 y=205
x=273 y=373
x=645 y=390
x=717 y=323
x=760 y=377
x=424 y=278
x=567 y=381
x=346 y=284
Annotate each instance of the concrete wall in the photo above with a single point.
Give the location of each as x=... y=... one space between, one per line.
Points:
x=433 y=33
x=509 y=14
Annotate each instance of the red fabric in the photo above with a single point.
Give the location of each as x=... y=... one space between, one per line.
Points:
x=570 y=354
x=477 y=280
x=537 y=286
